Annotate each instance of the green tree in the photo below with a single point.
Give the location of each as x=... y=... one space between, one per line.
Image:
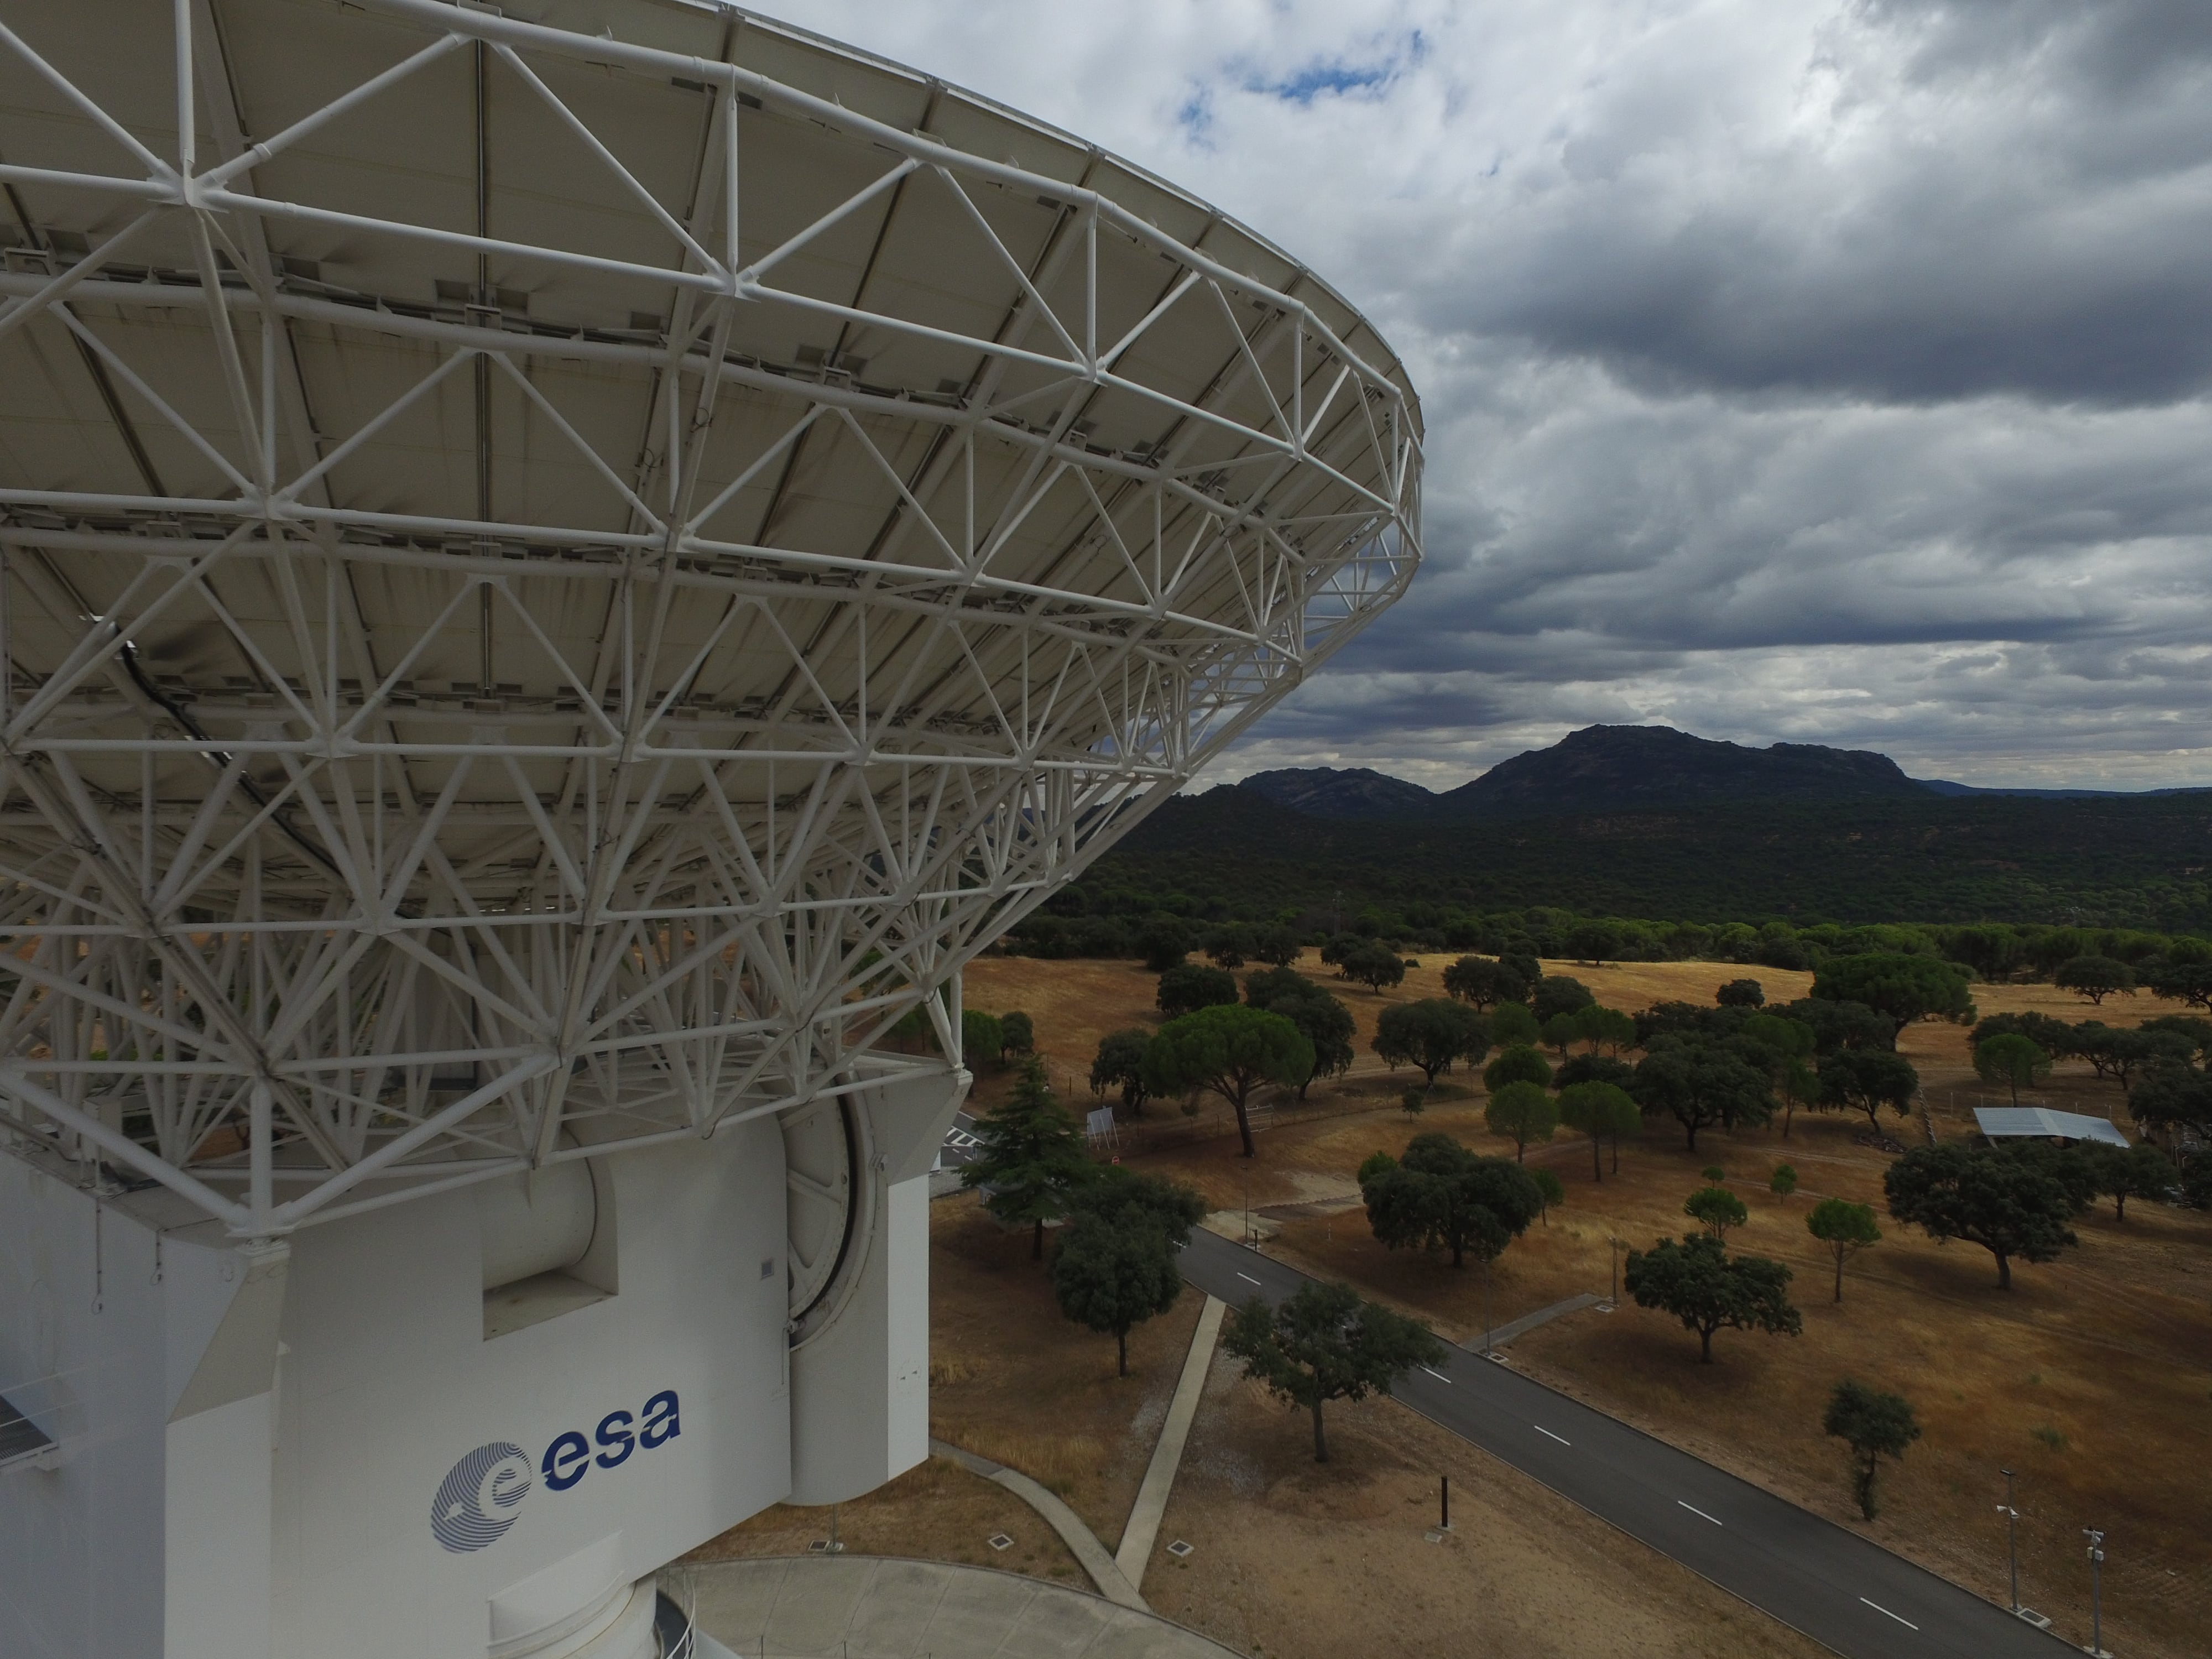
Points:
x=1594 y=1068
x=1112 y=1271
x=1163 y=942
x=1842 y=1024
x=2054 y=1036
x=1783 y=1180
x=1875 y=1425
x=1322 y=1019
x=1560 y=1033
x=2196 y=1033
x=2184 y=981
x=1030 y=1156
x=1846 y=1229
x=1481 y=981
x=1512 y=1026
x=1904 y=987
x=2073 y=1166
x=1599 y=1109
x=1230 y=1050
x=1018 y=1034
x=982 y=1038
x=1120 y=1193
x=1228 y=946
x=1325 y=1343
x=1718 y=1208
x=1780 y=1048
x=2094 y=978
x=2174 y=1098
x=1556 y=993
x=1431 y=1034
x=1699 y=1283
x=1549 y=1189
x=1868 y=1079
x=1592 y=942
x=1375 y=966
x=1741 y=993
x=2010 y=1061
x=2117 y=1054
x=1440 y=1196
x=1121 y=1065
x=1522 y=1112
x=1604 y=1028
x=1700 y=1085
x=2005 y=1205
x=1519 y=1064
x=2125 y=1172
x=1188 y=987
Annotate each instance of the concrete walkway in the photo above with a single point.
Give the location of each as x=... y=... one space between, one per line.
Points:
x=1079 y=1537
x=1142 y=1530
x=1527 y=1323
x=863 y=1606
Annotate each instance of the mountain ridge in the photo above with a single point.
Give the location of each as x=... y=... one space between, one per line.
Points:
x=1601 y=769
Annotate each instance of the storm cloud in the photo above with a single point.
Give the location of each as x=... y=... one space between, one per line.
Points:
x=1821 y=372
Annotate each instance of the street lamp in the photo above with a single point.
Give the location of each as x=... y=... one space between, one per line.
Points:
x=1489 y=1329
x=2096 y=1592
x=2012 y=1539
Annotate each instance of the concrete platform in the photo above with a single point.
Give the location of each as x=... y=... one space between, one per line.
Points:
x=864 y=1607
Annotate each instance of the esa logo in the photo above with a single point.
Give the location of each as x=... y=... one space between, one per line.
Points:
x=481 y=1495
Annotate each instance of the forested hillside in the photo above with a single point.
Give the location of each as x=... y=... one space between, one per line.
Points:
x=2134 y=861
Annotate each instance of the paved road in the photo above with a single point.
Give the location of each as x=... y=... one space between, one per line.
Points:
x=1809 y=1573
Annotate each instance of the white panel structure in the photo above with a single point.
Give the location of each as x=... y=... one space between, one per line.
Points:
x=565 y=566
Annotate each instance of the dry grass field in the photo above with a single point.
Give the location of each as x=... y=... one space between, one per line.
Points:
x=2093 y=1378
x=1291 y=1559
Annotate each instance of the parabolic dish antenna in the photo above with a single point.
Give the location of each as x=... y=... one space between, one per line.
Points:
x=563 y=576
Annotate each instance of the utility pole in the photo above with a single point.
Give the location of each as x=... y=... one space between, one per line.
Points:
x=2096 y=1592
x=2012 y=1539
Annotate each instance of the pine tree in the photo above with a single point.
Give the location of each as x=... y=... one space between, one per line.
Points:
x=1031 y=1158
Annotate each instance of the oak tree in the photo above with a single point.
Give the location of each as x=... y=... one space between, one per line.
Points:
x=1875 y=1425
x=1708 y=1290
x=1325 y=1343
x=2005 y=1205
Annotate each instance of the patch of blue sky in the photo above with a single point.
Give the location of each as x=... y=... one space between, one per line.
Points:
x=1340 y=76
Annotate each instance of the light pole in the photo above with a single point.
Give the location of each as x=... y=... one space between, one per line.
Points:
x=2012 y=1539
x=2096 y=1591
x=1489 y=1329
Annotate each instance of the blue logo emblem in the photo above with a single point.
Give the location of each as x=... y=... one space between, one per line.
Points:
x=478 y=1499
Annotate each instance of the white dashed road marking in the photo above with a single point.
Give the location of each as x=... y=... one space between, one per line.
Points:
x=1700 y=1513
x=1887 y=1613
x=1561 y=1438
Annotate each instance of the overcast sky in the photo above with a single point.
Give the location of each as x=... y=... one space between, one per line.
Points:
x=1823 y=372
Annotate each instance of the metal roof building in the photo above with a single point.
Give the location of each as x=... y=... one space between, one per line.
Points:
x=2011 y=1122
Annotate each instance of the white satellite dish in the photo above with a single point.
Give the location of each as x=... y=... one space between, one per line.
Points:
x=560 y=584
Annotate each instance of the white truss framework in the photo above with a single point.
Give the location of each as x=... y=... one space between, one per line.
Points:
x=557 y=587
